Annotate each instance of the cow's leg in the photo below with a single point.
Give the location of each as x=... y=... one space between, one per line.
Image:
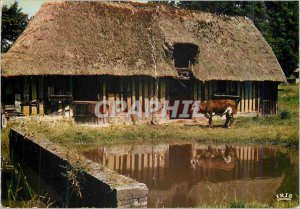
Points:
x=210 y=121
x=231 y=120
x=227 y=121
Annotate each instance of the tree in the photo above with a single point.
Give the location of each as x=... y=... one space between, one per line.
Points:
x=278 y=21
x=283 y=36
x=14 y=21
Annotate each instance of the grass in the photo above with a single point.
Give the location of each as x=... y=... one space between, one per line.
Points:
x=254 y=204
x=18 y=192
x=281 y=129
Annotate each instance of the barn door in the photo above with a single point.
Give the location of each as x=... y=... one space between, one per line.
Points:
x=180 y=90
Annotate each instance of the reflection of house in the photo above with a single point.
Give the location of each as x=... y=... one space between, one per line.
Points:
x=74 y=54
x=167 y=170
x=163 y=160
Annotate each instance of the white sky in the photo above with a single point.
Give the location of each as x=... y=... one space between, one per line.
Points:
x=28 y=6
x=32 y=6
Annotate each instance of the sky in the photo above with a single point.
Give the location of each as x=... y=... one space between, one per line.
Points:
x=30 y=6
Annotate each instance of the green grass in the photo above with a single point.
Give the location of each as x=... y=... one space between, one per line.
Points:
x=280 y=129
x=254 y=204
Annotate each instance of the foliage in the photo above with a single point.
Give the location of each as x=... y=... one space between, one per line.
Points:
x=75 y=176
x=20 y=194
x=237 y=204
x=278 y=22
x=14 y=21
x=285 y=114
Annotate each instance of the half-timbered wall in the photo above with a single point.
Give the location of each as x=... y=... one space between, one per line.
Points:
x=32 y=94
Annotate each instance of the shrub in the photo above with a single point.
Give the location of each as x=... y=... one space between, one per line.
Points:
x=237 y=204
x=284 y=115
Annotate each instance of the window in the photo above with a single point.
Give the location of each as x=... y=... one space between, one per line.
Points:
x=184 y=55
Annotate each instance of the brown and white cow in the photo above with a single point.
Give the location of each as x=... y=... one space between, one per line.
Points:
x=219 y=107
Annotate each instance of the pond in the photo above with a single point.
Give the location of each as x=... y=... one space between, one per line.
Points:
x=191 y=175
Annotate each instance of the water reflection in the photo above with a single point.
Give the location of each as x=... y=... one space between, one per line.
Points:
x=187 y=175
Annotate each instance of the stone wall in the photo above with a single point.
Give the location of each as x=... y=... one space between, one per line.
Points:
x=54 y=167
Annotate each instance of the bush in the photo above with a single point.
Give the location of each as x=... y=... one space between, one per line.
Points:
x=284 y=115
x=237 y=204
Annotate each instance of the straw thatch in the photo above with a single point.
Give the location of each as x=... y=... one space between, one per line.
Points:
x=97 y=38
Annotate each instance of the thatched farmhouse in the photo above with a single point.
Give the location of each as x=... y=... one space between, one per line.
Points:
x=73 y=54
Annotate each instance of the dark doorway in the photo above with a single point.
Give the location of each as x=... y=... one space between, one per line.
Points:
x=180 y=90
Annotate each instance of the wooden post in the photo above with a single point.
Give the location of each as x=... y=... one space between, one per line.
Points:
x=202 y=86
x=195 y=94
x=247 y=96
x=151 y=89
x=41 y=95
x=162 y=92
x=198 y=90
x=250 y=96
x=37 y=96
x=133 y=90
x=146 y=94
x=30 y=95
x=45 y=94
x=209 y=89
x=253 y=96
x=215 y=87
x=71 y=92
x=227 y=87
x=121 y=90
x=111 y=100
x=243 y=97
x=239 y=94
x=257 y=96
x=104 y=98
x=128 y=93
x=141 y=93
x=206 y=90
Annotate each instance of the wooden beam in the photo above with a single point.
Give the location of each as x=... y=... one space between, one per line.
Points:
x=37 y=95
x=254 y=96
x=250 y=96
x=198 y=89
x=227 y=87
x=140 y=93
x=133 y=90
x=206 y=91
x=128 y=93
x=162 y=91
x=239 y=94
x=202 y=87
x=209 y=89
x=121 y=90
x=146 y=94
x=30 y=94
x=243 y=97
x=104 y=108
x=246 y=96
x=195 y=92
x=258 y=95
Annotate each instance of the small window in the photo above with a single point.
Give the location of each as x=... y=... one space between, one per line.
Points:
x=184 y=55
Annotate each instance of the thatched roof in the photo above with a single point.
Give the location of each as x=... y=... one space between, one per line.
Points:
x=97 y=38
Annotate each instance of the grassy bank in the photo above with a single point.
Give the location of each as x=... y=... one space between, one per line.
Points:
x=281 y=129
x=254 y=204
